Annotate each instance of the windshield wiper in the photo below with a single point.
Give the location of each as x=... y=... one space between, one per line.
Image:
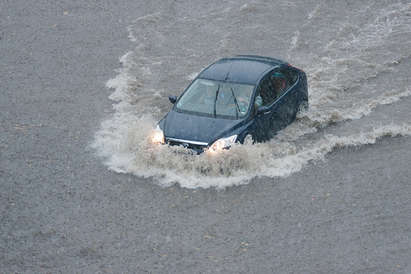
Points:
x=236 y=103
x=215 y=101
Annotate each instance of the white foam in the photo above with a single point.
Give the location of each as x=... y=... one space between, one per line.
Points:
x=323 y=117
x=294 y=163
x=294 y=42
x=313 y=13
x=169 y=165
x=123 y=139
x=123 y=142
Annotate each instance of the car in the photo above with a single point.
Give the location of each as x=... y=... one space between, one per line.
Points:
x=245 y=97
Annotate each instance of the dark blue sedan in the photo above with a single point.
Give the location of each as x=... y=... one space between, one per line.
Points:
x=232 y=100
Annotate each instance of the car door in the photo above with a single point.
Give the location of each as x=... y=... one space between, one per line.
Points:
x=264 y=120
x=286 y=97
x=298 y=86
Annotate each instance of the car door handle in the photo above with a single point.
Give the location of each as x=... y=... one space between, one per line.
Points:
x=267 y=112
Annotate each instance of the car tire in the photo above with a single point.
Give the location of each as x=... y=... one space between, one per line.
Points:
x=303 y=106
x=248 y=140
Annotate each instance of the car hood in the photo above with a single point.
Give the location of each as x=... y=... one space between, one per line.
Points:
x=197 y=128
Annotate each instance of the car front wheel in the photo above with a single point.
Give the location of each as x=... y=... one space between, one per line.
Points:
x=248 y=140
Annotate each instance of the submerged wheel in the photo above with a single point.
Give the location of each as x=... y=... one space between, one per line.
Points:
x=248 y=140
x=303 y=106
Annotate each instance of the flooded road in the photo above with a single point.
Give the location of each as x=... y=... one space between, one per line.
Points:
x=356 y=56
x=82 y=191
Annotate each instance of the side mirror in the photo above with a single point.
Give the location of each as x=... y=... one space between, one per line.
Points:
x=262 y=109
x=172 y=99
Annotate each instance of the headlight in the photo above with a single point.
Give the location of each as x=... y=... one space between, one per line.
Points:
x=223 y=143
x=157 y=136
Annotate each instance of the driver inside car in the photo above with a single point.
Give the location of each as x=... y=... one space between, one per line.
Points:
x=279 y=82
x=209 y=94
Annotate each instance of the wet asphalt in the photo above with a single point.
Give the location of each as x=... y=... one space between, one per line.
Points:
x=63 y=211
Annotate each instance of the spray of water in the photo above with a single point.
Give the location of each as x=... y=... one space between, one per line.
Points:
x=349 y=79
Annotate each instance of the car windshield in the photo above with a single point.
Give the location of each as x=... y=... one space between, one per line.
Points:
x=216 y=99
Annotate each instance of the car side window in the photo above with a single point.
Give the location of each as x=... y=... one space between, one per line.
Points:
x=279 y=82
x=292 y=76
x=275 y=83
x=266 y=91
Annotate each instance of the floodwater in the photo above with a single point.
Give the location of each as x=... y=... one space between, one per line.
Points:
x=356 y=55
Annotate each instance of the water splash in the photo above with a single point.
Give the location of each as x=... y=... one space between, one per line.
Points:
x=348 y=79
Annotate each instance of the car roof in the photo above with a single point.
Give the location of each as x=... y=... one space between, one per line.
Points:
x=246 y=69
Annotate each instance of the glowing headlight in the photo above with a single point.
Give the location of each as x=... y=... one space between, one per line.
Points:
x=223 y=143
x=157 y=137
